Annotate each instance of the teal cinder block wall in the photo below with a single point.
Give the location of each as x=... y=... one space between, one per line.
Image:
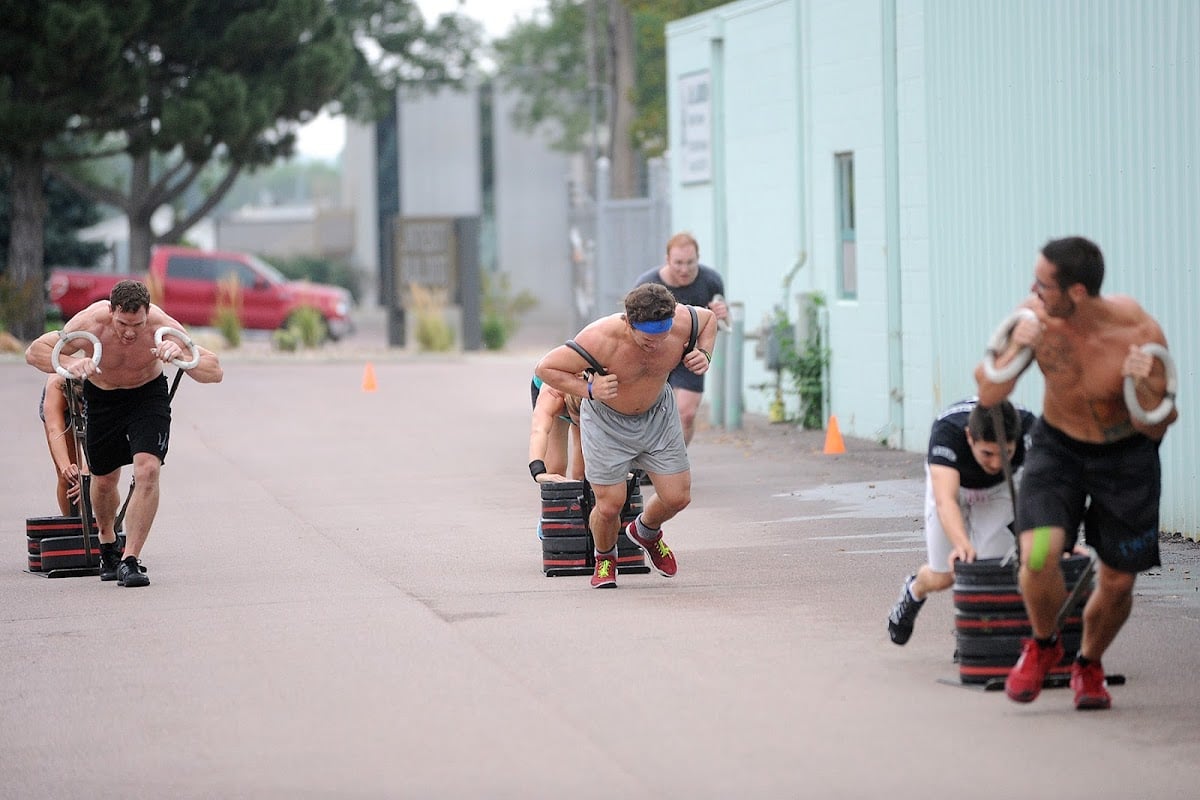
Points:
x=1012 y=123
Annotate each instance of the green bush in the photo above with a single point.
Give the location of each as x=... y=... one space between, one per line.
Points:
x=806 y=363
x=226 y=321
x=495 y=332
x=285 y=339
x=432 y=331
x=227 y=315
x=308 y=326
x=501 y=309
x=54 y=320
x=434 y=334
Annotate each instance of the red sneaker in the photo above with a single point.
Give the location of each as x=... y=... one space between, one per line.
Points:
x=605 y=576
x=1088 y=684
x=660 y=555
x=1024 y=682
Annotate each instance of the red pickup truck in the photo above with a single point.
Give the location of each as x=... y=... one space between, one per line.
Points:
x=188 y=279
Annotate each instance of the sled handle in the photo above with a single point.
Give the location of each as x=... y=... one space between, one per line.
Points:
x=63 y=338
x=1156 y=415
x=997 y=344
x=183 y=337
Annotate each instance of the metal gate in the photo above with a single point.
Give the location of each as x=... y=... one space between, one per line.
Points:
x=613 y=241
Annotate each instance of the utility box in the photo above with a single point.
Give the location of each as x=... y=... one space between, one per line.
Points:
x=806 y=317
x=772 y=345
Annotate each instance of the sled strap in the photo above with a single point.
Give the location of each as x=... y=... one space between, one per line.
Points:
x=588 y=357
x=695 y=330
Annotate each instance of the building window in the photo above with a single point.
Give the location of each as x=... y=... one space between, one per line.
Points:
x=847 y=253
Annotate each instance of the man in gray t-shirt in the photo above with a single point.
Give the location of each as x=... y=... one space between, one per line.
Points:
x=694 y=285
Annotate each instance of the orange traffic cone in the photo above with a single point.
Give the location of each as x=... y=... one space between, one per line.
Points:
x=369 y=384
x=833 y=438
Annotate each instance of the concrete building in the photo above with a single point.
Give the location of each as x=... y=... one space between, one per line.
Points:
x=917 y=154
x=521 y=198
x=288 y=231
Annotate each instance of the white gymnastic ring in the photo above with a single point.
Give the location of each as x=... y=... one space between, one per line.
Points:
x=1168 y=402
x=999 y=342
x=158 y=337
x=63 y=338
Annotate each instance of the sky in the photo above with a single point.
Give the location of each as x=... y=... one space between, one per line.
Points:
x=324 y=137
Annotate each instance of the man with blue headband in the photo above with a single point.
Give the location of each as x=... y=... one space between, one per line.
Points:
x=628 y=418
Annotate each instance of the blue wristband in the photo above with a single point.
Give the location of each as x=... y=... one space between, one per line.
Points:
x=590 y=391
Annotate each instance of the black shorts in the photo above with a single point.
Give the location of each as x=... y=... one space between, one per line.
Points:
x=1113 y=489
x=683 y=378
x=122 y=422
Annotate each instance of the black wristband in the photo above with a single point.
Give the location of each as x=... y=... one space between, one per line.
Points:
x=537 y=467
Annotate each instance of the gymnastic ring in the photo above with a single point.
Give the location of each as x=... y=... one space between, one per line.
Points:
x=158 y=337
x=63 y=338
x=999 y=342
x=1168 y=402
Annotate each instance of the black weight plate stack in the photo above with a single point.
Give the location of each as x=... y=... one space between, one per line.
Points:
x=990 y=618
x=70 y=553
x=567 y=546
x=39 y=528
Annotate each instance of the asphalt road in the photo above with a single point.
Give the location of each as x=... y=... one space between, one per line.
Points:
x=347 y=601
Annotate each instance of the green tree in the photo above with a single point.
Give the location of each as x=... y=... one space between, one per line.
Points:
x=60 y=64
x=395 y=47
x=67 y=212
x=601 y=61
x=648 y=130
x=178 y=86
x=546 y=62
x=222 y=81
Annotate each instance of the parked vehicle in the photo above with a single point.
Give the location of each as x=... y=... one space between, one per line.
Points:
x=187 y=282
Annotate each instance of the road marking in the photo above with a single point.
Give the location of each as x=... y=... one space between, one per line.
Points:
x=900 y=534
x=897 y=537
x=887 y=550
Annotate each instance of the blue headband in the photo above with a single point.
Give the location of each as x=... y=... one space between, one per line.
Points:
x=654 y=326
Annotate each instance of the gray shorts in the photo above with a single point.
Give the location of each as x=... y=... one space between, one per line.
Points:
x=615 y=443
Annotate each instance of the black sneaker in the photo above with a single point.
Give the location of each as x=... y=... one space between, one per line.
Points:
x=132 y=573
x=904 y=613
x=110 y=560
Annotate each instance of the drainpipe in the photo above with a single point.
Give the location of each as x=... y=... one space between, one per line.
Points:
x=716 y=36
x=802 y=140
x=733 y=369
x=891 y=182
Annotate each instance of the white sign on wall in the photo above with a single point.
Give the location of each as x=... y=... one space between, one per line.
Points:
x=695 y=95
